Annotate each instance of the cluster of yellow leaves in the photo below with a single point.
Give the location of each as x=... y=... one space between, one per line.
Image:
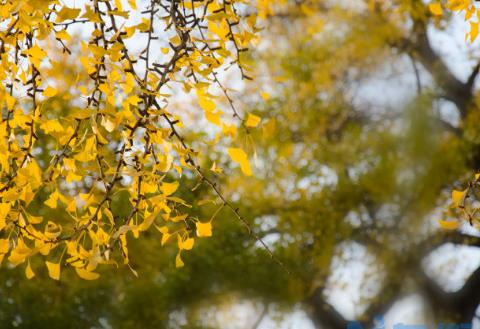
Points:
x=459 y=197
x=73 y=141
x=471 y=12
x=459 y=203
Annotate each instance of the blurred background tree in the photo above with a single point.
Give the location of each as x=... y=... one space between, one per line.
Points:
x=368 y=120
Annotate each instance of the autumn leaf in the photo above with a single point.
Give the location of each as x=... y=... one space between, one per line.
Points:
x=169 y=188
x=213 y=117
x=86 y=275
x=36 y=55
x=50 y=92
x=436 y=9
x=449 y=225
x=67 y=13
x=252 y=120
x=53 y=270
x=473 y=31
x=63 y=35
x=19 y=254
x=215 y=168
x=204 y=229
x=28 y=271
x=239 y=156
x=4 y=246
x=52 y=200
x=458 y=197
x=178 y=261
x=186 y=244
x=133 y=4
x=205 y=102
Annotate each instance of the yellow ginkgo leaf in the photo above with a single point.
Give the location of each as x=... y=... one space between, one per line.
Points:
x=178 y=218
x=4 y=246
x=53 y=270
x=86 y=275
x=216 y=168
x=229 y=130
x=252 y=120
x=10 y=101
x=169 y=188
x=265 y=96
x=204 y=229
x=133 y=4
x=28 y=271
x=457 y=5
x=123 y=243
x=108 y=124
x=165 y=238
x=205 y=102
x=4 y=210
x=448 y=225
x=50 y=92
x=63 y=35
x=239 y=156
x=179 y=261
x=473 y=31
x=214 y=117
x=436 y=9
x=36 y=55
x=186 y=244
x=165 y=234
x=35 y=219
x=67 y=13
x=52 y=200
x=20 y=253
x=458 y=197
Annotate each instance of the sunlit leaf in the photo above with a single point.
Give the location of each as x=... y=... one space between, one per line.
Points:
x=252 y=120
x=449 y=225
x=239 y=156
x=436 y=9
x=86 y=275
x=204 y=229
x=53 y=270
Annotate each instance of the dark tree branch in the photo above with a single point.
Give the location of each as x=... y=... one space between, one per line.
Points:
x=390 y=293
x=457 y=91
x=457 y=306
x=417 y=75
x=459 y=239
x=447 y=126
x=260 y=318
x=323 y=314
x=419 y=46
x=473 y=76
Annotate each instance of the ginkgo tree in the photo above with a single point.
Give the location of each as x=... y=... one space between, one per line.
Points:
x=120 y=134
x=461 y=207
